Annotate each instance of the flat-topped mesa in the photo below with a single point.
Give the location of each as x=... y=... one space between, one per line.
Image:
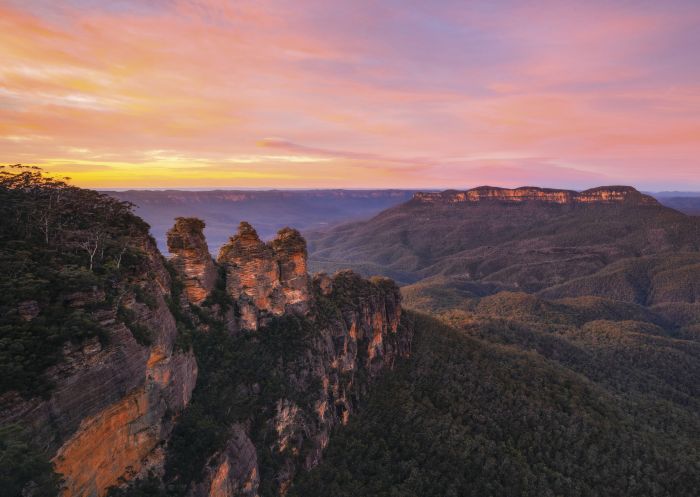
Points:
x=191 y=258
x=615 y=194
x=599 y=195
x=265 y=279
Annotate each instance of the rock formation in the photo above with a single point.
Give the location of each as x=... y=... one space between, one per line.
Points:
x=291 y=256
x=349 y=348
x=233 y=471
x=603 y=194
x=113 y=401
x=356 y=336
x=263 y=279
x=191 y=258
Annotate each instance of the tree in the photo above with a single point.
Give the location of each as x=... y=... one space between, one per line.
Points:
x=24 y=471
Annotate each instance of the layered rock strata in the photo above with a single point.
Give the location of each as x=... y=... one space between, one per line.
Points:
x=603 y=194
x=113 y=401
x=349 y=348
x=191 y=257
x=265 y=279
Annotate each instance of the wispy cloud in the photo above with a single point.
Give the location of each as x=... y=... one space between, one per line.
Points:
x=363 y=93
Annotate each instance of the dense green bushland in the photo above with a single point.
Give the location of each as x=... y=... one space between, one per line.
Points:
x=240 y=379
x=58 y=243
x=24 y=470
x=494 y=246
x=467 y=417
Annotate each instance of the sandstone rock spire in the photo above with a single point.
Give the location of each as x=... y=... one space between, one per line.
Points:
x=191 y=257
x=265 y=279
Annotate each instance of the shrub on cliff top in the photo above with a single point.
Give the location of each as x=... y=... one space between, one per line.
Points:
x=59 y=245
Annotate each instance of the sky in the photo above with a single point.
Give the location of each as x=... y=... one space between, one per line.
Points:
x=353 y=94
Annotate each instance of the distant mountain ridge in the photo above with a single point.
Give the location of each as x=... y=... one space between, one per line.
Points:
x=269 y=210
x=499 y=239
x=545 y=298
x=602 y=194
x=311 y=210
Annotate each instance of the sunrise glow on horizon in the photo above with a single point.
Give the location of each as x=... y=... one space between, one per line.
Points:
x=362 y=94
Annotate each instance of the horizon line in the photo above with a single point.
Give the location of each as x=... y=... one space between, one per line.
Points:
x=307 y=189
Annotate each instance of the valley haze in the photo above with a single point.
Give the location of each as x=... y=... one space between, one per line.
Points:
x=273 y=209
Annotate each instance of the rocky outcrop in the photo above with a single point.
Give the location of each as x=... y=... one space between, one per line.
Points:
x=191 y=258
x=265 y=280
x=603 y=194
x=357 y=333
x=233 y=471
x=290 y=253
x=114 y=401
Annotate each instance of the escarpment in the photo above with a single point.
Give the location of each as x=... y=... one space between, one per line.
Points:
x=315 y=346
x=114 y=397
x=210 y=378
x=312 y=374
x=603 y=194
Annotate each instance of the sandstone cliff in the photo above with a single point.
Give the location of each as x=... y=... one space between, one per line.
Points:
x=190 y=256
x=343 y=332
x=113 y=400
x=603 y=194
x=265 y=280
x=283 y=358
x=354 y=333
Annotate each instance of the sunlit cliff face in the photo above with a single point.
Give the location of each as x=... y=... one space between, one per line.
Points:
x=212 y=93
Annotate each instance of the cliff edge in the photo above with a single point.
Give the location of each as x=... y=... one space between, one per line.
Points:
x=599 y=195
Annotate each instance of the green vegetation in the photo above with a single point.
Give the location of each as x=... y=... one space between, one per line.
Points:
x=64 y=252
x=529 y=247
x=240 y=378
x=24 y=470
x=466 y=417
x=563 y=359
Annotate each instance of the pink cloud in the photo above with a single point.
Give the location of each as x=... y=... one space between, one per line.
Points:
x=602 y=90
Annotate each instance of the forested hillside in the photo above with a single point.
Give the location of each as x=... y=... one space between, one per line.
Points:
x=561 y=357
x=506 y=408
x=505 y=244
x=124 y=373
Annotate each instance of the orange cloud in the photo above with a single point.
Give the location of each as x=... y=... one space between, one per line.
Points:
x=361 y=94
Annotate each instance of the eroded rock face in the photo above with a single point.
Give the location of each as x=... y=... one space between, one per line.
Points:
x=291 y=256
x=113 y=404
x=191 y=258
x=615 y=194
x=348 y=350
x=265 y=279
x=603 y=194
x=356 y=335
x=233 y=471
